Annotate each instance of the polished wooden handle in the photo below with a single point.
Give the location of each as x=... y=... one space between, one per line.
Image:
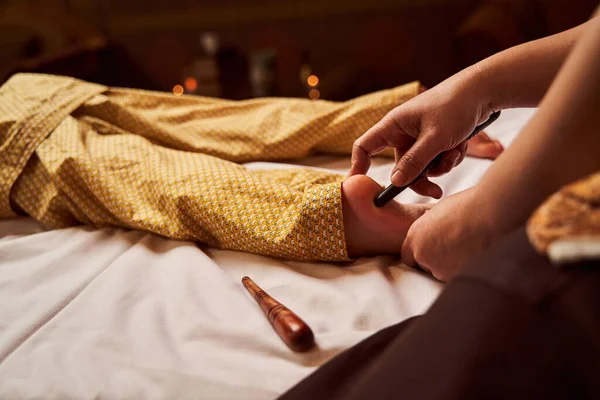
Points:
x=291 y=329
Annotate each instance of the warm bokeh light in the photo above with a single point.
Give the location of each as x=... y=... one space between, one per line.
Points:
x=177 y=90
x=191 y=84
x=312 y=80
x=314 y=94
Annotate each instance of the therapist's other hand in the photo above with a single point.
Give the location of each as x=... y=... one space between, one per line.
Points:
x=436 y=121
x=448 y=235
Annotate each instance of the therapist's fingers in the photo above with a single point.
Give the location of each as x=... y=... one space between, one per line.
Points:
x=386 y=133
x=425 y=187
x=449 y=160
x=463 y=152
x=415 y=159
x=406 y=253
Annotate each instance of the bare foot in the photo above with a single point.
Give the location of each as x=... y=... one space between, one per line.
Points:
x=371 y=230
x=483 y=146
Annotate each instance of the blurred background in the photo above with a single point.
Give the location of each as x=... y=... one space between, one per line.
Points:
x=238 y=49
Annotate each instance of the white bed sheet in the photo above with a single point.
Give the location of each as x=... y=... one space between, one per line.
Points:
x=123 y=314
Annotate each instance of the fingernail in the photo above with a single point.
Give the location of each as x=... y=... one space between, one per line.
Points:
x=499 y=146
x=398 y=178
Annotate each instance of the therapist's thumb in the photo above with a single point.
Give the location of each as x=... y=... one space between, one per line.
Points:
x=406 y=254
x=414 y=161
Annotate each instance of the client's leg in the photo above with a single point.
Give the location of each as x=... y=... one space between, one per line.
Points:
x=142 y=160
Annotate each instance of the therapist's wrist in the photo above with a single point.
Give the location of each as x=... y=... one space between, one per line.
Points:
x=497 y=84
x=489 y=217
x=478 y=86
x=488 y=86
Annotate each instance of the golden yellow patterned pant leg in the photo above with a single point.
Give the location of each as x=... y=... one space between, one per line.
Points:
x=73 y=152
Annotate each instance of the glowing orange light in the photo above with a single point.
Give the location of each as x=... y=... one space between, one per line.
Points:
x=191 y=84
x=312 y=80
x=314 y=94
x=177 y=90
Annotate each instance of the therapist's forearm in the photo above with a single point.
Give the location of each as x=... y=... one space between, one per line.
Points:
x=521 y=75
x=560 y=144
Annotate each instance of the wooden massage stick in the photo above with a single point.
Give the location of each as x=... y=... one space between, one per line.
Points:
x=291 y=329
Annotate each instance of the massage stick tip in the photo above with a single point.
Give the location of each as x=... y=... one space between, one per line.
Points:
x=291 y=329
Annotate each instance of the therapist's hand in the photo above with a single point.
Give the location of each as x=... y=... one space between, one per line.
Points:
x=445 y=237
x=436 y=121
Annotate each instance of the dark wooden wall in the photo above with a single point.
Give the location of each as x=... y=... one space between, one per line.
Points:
x=353 y=46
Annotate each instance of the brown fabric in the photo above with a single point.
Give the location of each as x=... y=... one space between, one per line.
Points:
x=511 y=326
x=73 y=152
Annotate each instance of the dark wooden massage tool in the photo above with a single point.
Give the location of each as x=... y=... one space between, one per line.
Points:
x=291 y=329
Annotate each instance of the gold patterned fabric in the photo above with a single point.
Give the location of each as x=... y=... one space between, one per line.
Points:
x=566 y=226
x=73 y=152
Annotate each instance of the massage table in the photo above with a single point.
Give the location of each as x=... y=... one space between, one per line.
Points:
x=112 y=313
